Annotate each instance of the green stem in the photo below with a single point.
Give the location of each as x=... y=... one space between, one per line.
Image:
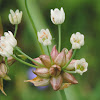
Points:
x=59 y=31
x=6 y=62
x=70 y=71
x=69 y=60
x=28 y=56
x=49 y=54
x=63 y=95
x=16 y=27
x=33 y=25
x=28 y=64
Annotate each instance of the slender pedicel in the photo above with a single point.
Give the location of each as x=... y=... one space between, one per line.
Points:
x=28 y=64
x=28 y=56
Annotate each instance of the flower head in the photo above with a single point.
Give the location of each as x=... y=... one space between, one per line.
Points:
x=53 y=73
x=77 y=40
x=81 y=66
x=44 y=37
x=7 y=43
x=15 y=17
x=57 y=16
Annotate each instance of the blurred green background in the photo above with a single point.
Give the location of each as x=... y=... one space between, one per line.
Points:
x=82 y=16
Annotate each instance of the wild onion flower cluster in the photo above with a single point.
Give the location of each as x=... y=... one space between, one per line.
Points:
x=57 y=67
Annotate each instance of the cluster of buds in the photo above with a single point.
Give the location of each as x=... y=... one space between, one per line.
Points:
x=53 y=72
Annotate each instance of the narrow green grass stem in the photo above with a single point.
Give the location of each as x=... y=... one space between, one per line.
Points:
x=28 y=56
x=59 y=31
x=49 y=54
x=70 y=60
x=63 y=95
x=28 y=64
x=16 y=27
x=33 y=25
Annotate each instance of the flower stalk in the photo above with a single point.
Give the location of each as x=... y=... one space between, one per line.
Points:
x=33 y=25
x=16 y=28
x=59 y=31
x=63 y=95
x=72 y=72
x=49 y=54
x=28 y=56
x=28 y=64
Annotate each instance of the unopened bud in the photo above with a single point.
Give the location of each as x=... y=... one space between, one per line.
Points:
x=71 y=66
x=55 y=70
x=56 y=82
x=38 y=60
x=42 y=72
x=69 y=55
x=3 y=70
x=46 y=60
x=61 y=58
x=69 y=78
x=54 y=53
x=10 y=60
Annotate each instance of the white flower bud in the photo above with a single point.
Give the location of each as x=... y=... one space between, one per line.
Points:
x=44 y=37
x=7 y=43
x=57 y=16
x=81 y=66
x=77 y=40
x=15 y=17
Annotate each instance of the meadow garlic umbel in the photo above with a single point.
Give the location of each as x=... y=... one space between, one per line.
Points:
x=57 y=16
x=58 y=66
x=15 y=17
